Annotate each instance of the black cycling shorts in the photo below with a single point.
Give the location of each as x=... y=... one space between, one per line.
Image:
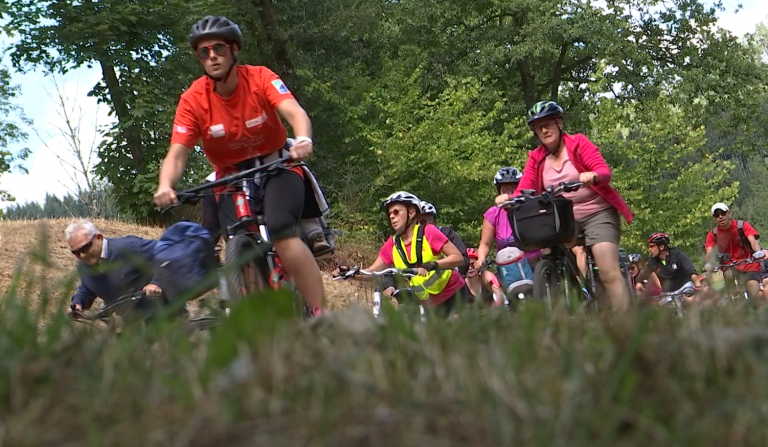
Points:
x=754 y=276
x=282 y=202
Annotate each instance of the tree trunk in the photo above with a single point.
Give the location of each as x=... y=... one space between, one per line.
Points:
x=131 y=132
x=278 y=44
x=526 y=81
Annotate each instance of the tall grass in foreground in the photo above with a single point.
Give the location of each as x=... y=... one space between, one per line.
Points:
x=262 y=379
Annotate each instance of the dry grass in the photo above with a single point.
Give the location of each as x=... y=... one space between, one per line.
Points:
x=19 y=239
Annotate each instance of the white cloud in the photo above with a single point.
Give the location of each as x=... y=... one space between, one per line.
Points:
x=745 y=20
x=47 y=174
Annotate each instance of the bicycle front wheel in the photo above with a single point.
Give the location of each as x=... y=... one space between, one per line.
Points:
x=245 y=267
x=546 y=282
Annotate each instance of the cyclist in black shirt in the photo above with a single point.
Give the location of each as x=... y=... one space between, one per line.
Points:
x=668 y=267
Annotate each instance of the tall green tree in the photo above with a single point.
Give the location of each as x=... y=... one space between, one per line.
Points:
x=139 y=46
x=11 y=131
x=663 y=168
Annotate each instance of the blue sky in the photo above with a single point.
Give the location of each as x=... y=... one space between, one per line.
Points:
x=46 y=174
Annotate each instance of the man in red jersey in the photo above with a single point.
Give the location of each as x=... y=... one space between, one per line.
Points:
x=738 y=239
x=234 y=112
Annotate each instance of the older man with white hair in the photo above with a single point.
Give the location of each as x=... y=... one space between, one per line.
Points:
x=110 y=268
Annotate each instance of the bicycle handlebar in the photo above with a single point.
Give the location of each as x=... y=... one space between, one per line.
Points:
x=548 y=193
x=192 y=195
x=749 y=260
x=407 y=273
x=103 y=314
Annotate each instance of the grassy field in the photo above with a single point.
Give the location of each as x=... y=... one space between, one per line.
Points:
x=531 y=378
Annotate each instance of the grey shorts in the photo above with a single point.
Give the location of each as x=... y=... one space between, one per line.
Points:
x=603 y=226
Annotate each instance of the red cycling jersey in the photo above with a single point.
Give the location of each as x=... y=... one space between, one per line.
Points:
x=237 y=128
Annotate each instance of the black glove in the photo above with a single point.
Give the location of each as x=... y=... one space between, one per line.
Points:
x=429 y=266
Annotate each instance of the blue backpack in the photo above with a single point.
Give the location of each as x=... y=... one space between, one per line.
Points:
x=184 y=262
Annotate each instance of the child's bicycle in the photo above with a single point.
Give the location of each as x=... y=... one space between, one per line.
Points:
x=516 y=292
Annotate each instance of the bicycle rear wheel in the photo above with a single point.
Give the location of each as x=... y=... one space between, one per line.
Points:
x=245 y=267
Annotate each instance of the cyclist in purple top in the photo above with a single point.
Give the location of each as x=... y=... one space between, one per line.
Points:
x=513 y=264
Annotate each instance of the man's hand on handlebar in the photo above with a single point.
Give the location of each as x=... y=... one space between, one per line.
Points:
x=165 y=196
x=74 y=309
x=152 y=290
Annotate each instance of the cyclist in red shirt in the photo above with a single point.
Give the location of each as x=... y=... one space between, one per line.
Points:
x=234 y=112
x=729 y=241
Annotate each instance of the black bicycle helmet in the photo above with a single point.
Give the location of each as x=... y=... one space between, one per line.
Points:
x=215 y=27
x=543 y=109
x=659 y=239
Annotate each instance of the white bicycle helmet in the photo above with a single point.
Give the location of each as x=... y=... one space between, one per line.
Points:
x=403 y=197
x=507 y=175
x=428 y=208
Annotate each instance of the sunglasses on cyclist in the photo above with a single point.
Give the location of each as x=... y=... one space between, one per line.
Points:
x=84 y=249
x=719 y=213
x=205 y=52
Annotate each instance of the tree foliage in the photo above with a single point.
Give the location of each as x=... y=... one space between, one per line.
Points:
x=11 y=132
x=429 y=95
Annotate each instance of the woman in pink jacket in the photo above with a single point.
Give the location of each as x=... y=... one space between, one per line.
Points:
x=596 y=206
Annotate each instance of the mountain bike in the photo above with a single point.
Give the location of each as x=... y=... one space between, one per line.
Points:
x=124 y=309
x=725 y=281
x=676 y=298
x=401 y=295
x=556 y=277
x=251 y=262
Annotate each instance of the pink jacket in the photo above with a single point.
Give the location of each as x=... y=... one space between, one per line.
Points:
x=585 y=157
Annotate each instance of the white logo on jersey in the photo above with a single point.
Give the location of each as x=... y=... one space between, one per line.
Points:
x=217 y=131
x=280 y=87
x=256 y=121
x=180 y=129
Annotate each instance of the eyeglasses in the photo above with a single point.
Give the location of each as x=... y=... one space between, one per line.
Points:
x=394 y=212
x=538 y=127
x=205 y=52
x=84 y=249
x=719 y=213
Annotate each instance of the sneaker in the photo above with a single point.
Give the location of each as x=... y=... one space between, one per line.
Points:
x=319 y=244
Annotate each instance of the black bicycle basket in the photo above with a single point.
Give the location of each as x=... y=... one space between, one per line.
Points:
x=542 y=223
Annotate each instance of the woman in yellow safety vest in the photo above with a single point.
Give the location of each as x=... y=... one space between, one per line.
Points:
x=422 y=247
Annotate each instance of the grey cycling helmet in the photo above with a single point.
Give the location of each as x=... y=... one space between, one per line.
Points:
x=428 y=208
x=403 y=197
x=215 y=27
x=507 y=175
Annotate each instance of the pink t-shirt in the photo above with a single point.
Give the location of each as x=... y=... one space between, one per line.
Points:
x=586 y=201
x=503 y=231
x=436 y=240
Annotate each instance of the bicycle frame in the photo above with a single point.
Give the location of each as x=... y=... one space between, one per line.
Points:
x=248 y=223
